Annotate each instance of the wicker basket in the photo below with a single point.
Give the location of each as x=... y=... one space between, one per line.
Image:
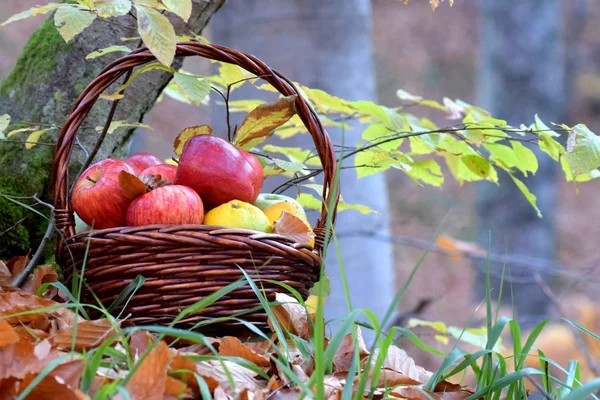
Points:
x=182 y=264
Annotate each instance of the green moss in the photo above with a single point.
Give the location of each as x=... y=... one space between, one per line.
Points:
x=38 y=58
x=57 y=96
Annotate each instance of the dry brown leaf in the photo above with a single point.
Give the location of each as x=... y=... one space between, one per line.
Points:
x=8 y=335
x=243 y=378
x=252 y=395
x=233 y=347
x=334 y=383
x=139 y=342
x=17 y=264
x=181 y=363
x=273 y=384
x=149 y=380
x=398 y=360
x=23 y=357
x=90 y=334
x=154 y=181
x=260 y=122
x=414 y=394
x=41 y=275
x=291 y=316
x=16 y=301
x=343 y=358
x=187 y=134
x=30 y=334
x=219 y=394
x=175 y=388
x=131 y=185
x=295 y=228
x=5 y=274
x=462 y=395
x=51 y=388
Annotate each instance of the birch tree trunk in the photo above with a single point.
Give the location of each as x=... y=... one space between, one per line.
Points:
x=325 y=45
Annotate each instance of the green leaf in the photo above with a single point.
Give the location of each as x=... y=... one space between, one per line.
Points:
x=33 y=138
x=378 y=132
x=157 y=33
x=343 y=206
x=372 y=161
x=71 y=21
x=146 y=68
x=383 y=114
x=111 y=8
x=325 y=102
x=114 y=125
x=531 y=198
x=38 y=10
x=288 y=166
x=295 y=154
x=527 y=160
x=426 y=171
x=260 y=122
x=183 y=8
x=309 y=201
x=195 y=87
x=583 y=152
x=322 y=287
x=107 y=50
x=4 y=122
x=230 y=74
x=245 y=105
x=477 y=164
x=422 y=144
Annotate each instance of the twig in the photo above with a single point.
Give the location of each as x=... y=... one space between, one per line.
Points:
x=12 y=227
x=20 y=278
x=576 y=333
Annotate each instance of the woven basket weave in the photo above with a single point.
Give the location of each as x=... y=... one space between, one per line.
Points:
x=182 y=264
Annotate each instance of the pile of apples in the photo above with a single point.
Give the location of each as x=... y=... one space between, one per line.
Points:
x=143 y=190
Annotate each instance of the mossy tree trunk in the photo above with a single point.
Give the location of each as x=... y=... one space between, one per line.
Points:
x=48 y=77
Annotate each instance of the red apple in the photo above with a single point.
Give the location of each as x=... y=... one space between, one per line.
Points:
x=166 y=171
x=216 y=170
x=171 y=204
x=141 y=161
x=258 y=176
x=97 y=197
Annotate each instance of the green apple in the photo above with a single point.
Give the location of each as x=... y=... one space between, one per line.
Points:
x=266 y=200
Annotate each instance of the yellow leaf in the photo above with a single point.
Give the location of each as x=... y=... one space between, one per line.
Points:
x=71 y=21
x=157 y=33
x=260 y=122
x=112 y=97
x=442 y=339
x=33 y=138
x=189 y=133
x=183 y=8
x=437 y=325
x=38 y=10
x=111 y=8
x=14 y=132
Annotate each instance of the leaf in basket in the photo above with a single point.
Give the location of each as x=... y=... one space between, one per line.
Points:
x=260 y=122
x=157 y=33
x=131 y=185
x=150 y=378
x=154 y=181
x=189 y=133
x=291 y=316
x=90 y=334
x=295 y=228
x=231 y=346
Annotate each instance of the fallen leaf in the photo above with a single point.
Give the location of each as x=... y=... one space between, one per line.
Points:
x=17 y=264
x=149 y=380
x=414 y=394
x=175 y=388
x=90 y=334
x=139 y=343
x=260 y=122
x=231 y=346
x=344 y=356
x=243 y=378
x=5 y=274
x=398 y=360
x=291 y=315
x=294 y=228
x=8 y=335
x=22 y=357
x=181 y=363
x=51 y=388
x=189 y=133
x=131 y=185
x=15 y=301
x=41 y=275
x=219 y=394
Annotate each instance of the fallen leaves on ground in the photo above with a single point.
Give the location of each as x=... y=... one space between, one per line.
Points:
x=41 y=342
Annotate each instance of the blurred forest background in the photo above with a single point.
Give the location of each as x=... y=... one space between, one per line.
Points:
x=432 y=55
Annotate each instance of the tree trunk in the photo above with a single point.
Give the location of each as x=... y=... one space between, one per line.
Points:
x=522 y=71
x=326 y=45
x=48 y=77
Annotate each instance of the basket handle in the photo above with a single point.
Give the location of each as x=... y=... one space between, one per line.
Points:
x=64 y=217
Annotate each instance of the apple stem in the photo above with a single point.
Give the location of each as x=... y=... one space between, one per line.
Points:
x=90 y=179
